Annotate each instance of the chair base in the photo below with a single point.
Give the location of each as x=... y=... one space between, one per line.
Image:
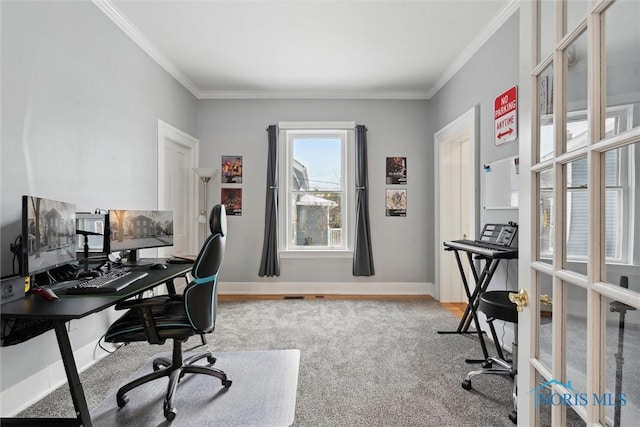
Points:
x=175 y=369
x=506 y=369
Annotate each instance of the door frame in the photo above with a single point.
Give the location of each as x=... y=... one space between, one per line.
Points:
x=167 y=132
x=465 y=126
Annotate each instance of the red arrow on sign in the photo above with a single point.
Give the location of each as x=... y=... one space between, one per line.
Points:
x=505 y=133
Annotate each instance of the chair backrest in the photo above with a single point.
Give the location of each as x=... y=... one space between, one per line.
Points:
x=200 y=296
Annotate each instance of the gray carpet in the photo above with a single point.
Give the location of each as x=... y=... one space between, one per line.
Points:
x=362 y=363
x=263 y=393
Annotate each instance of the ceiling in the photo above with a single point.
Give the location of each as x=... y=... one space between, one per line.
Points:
x=357 y=49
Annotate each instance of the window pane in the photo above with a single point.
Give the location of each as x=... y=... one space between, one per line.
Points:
x=621 y=237
x=575 y=338
x=576 y=213
x=316 y=193
x=545 y=216
x=545 y=321
x=577 y=131
x=576 y=12
x=545 y=106
x=546 y=28
x=317 y=163
x=621 y=367
x=622 y=61
x=316 y=219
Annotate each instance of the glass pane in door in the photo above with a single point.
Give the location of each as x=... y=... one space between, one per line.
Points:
x=545 y=108
x=546 y=28
x=621 y=364
x=545 y=216
x=576 y=215
x=576 y=13
x=545 y=321
x=620 y=234
x=575 y=339
x=577 y=131
x=622 y=61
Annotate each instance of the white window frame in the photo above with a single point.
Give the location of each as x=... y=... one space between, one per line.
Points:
x=285 y=139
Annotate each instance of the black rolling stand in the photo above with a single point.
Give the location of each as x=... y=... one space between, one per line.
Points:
x=618 y=307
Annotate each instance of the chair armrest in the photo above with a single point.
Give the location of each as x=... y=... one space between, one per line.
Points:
x=143 y=307
x=143 y=302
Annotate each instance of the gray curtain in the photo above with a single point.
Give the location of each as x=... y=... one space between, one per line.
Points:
x=270 y=264
x=362 y=253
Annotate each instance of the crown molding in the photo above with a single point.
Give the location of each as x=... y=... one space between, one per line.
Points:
x=475 y=45
x=302 y=94
x=145 y=44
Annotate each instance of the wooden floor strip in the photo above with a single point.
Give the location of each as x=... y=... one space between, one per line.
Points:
x=456 y=308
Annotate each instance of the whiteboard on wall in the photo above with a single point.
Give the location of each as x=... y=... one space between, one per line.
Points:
x=501 y=183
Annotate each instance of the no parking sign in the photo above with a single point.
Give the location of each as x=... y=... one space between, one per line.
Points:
x=505 y=116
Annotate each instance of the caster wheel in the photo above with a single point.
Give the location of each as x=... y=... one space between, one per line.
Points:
x=487 y=365
x=513 y=416
x=211 y=360
x=466 y=384
x=170 y=415
x=122 y=401
x=227 y=383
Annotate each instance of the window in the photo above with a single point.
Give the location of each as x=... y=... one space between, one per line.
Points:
x=316 y=187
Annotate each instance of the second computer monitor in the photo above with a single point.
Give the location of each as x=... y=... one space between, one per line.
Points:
x=130 y=230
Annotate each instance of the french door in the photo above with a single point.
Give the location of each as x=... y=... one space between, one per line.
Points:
x=579 y=353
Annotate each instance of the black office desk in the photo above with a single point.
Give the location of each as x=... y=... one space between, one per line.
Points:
x=491 y=258
x=71 y=307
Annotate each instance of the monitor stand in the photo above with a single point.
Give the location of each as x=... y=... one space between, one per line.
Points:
x=132 y=260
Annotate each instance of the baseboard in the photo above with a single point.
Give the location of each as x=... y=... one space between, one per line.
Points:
x=326 y=288
x=20 y=396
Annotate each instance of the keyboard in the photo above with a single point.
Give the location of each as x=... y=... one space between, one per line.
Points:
x=111 y=282
x=483 y=248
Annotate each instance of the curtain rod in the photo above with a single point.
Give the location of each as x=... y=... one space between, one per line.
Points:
x=365 y=128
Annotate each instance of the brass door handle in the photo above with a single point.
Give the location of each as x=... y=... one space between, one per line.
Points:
x=545 y=299
x=520 y=299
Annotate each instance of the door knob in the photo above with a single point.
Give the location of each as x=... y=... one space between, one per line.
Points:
x=545 y=299
x=520 y=299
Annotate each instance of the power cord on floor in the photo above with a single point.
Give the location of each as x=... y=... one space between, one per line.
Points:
x=110 y=351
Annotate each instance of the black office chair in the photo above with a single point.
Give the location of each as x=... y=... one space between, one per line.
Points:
x=163 y=317
x=496 y=305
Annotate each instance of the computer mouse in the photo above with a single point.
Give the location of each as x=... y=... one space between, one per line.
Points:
x=45 y=293
x=158 y=266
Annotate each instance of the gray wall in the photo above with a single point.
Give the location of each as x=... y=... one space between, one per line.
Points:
x=489 y=73
x=402 y=247
x=80 y=105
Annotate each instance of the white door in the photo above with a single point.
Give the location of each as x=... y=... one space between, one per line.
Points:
x=456 y=216
x=177 y=186
x=579 y=357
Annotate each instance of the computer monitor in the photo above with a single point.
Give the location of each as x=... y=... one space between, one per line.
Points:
x=48 y=234
x=131 y=230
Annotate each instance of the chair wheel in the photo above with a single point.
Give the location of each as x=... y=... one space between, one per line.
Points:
x=122 y=401
x=211 y=360
x=513 y=416
x=466 y=384
x=227 y=383
x=170 y=415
